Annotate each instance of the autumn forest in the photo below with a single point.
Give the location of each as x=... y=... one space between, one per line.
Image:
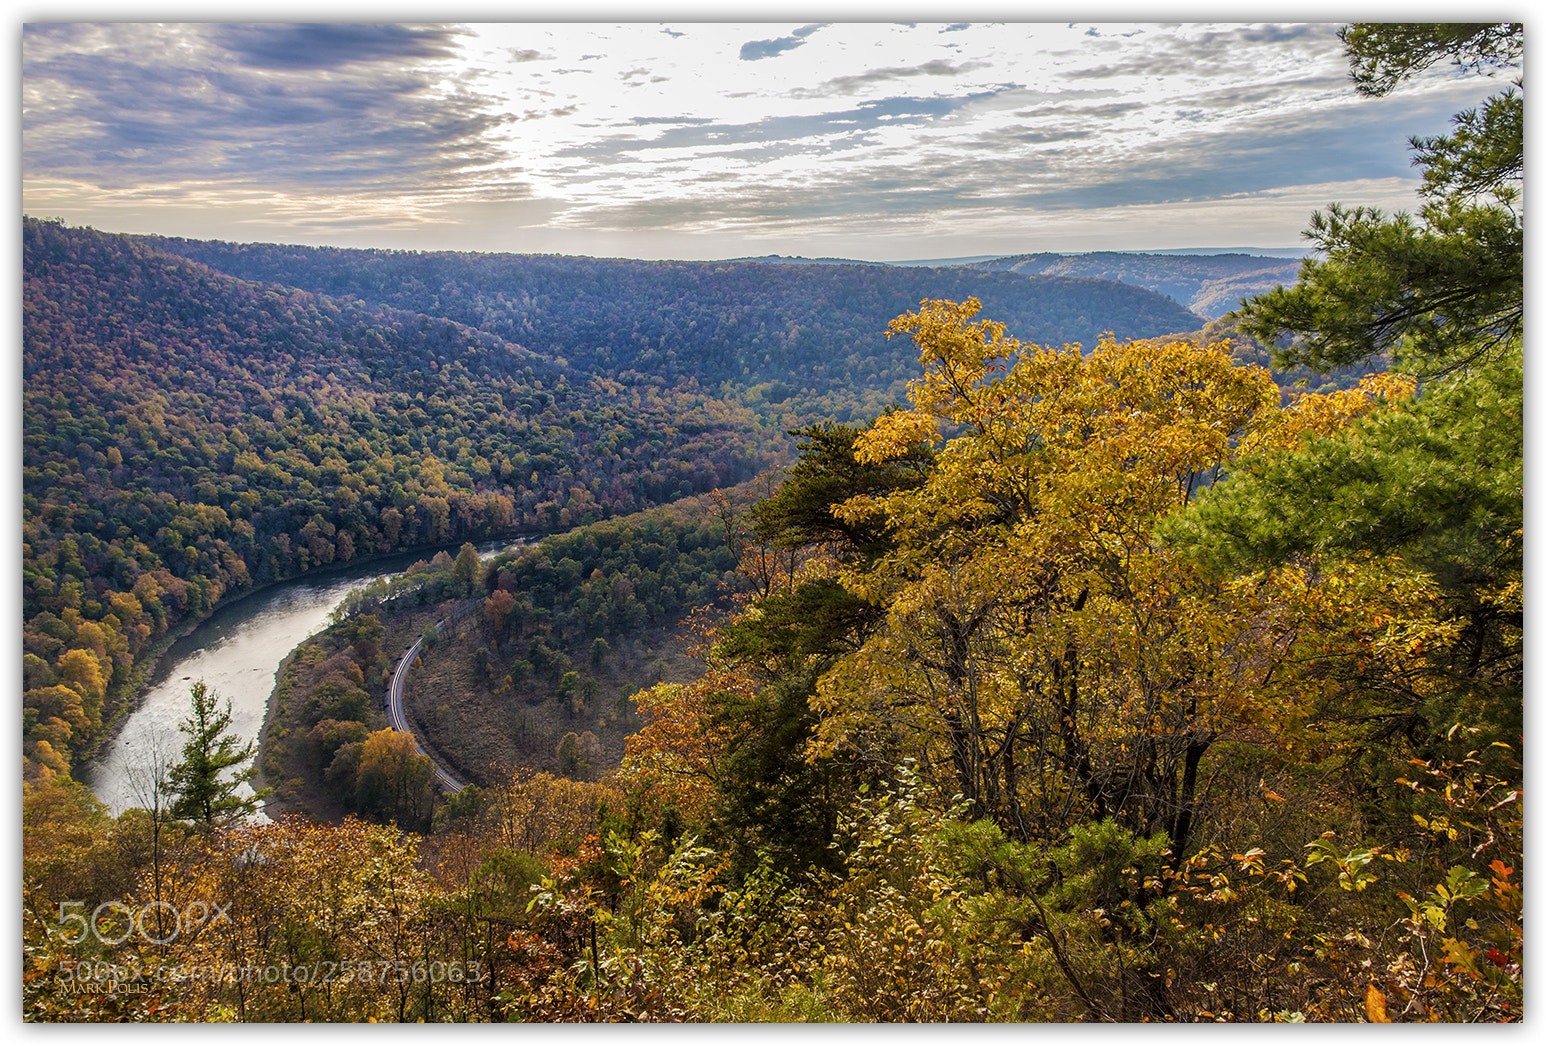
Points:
x=1119 y=639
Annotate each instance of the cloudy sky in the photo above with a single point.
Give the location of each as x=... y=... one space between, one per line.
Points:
x=688 y=139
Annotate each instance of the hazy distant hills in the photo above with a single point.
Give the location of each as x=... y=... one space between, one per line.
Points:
x=795 y=259
x=1209 y=285
x=816 y=329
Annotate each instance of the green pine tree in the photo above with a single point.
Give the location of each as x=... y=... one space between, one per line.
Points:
x=204 y=791
x=1440 y=481
x=1439 y=291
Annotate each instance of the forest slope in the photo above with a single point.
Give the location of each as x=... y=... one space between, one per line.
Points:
x=816 y=329
x=187 y=435
x=189 y=432
x=532 y=662
x=1210 y=285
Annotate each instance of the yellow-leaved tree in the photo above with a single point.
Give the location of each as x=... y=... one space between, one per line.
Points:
x=1043 y=655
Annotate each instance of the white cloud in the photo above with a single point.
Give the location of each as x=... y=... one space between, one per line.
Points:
x=676 y=140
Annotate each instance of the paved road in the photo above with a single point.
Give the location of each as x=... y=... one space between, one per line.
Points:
x=399 y=721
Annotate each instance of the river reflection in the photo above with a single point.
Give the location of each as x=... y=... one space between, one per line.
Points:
x=236 y=652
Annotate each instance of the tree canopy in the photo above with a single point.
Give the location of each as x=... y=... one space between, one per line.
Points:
x=1440 y=290
x=1119 y=685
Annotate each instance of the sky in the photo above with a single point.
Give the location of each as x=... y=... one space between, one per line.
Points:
x=687 y=139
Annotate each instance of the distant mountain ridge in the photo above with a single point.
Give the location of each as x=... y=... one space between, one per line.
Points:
x=815 y=328
x=795 y=259
x=1255 y=252
x=1207 y=284
x=200 y=418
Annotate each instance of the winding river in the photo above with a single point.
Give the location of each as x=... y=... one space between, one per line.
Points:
x=236 y=651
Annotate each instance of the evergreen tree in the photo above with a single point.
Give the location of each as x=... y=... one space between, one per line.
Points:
x=1439 y=482
x=1439 y=291
x=774 y=802
x=204 y=792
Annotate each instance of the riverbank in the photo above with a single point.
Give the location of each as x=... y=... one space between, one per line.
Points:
x=126 y=700
x=285 y=759
x=237 y=648
x=275 y=806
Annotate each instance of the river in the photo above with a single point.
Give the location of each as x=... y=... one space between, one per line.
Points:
x=236 y=651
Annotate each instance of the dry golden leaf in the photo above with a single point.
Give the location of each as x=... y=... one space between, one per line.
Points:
x=1374 y=1005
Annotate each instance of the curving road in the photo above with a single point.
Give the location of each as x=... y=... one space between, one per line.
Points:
x=399 y=721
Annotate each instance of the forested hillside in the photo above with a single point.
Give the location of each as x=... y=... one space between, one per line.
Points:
x=814 y=330
x=188 y=435
x=530 y=660
x=1113 y=685
x=552 y=640
x=1209 y=285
